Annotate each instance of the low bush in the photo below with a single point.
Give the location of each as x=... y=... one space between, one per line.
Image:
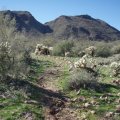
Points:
x=103 y=50
x=62 y=47
x=26 y=57
x=116 y=49
x=6 y=60
x=78 y=51
x=12 y=66
x=83 y=79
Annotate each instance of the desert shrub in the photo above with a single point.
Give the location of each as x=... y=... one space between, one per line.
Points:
x=12 y=66
x=83 y=79
x=13 y=57
x=115 y=57
x=79 y=48
x=103 y=61
x=62 y=47
x=48 y=42
x=115 y=66
x=116 y=49
x=22 y=65
x=103 y=50
x=6 y=60
x=26 y=58
x=77 y=51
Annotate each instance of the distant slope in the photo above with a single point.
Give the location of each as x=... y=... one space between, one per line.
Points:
x=25 y=22
x=64 y=27
x=82 y=27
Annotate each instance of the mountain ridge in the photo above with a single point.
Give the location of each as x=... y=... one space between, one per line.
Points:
x=92 y=29
x=25 y=21
x=64 y=27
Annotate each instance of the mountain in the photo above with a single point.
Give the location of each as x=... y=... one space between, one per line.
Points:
x=25 y=22
x=82 y=27
x=64 y=27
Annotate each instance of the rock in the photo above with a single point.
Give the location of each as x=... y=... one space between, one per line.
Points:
x=2 y=96
x=67 y=99
x=83 y=116
x=86 y=105
x=93 y=102
x=118 y=94
x=108 y=102
x=104 y=97
x=92 y=112
x=53 y=111
x=109 y=94
x=117 y=82
x=30 y=102
x=116 y=115
x=81 y=99
x=78 y=92
x=67 y=54
x=94 y=97
x=74 y=100
x=118 y=100
x=117 y=109
x=109 y=114
x=27 y=115
x=60 y=104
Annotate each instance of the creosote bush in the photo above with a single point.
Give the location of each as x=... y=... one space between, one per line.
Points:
x=62 y=47
x=83 y=79
x=116 y=49
x=103 y=50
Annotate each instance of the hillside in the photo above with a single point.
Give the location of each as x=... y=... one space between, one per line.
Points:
x=82 y=27
x=25 y=22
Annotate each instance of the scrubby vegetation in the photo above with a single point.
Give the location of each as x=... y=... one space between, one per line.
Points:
x=76 y=80
x=85 y=82
x=83 y=79
x=47 y=79
x=89 y=90
x=62 y=47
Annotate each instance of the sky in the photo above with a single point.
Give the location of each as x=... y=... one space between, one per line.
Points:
x=47 y=10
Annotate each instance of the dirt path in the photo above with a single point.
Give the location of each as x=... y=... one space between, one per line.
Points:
x=59 y=109
x=49 y=79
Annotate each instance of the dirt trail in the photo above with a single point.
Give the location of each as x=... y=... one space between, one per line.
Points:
x=59 y=109
x=49 y=79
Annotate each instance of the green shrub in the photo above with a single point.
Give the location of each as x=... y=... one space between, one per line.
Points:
x=78 y=51
x=82 y=79
x=62 y=47
x=48 y=42
x=116 y=49
x=6 y=60
x=26 y=57
x=103 y=50
x=12 y=66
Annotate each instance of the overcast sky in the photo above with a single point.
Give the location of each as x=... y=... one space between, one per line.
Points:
x=47 y=10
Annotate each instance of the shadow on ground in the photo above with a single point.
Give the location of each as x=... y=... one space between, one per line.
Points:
x=37 y=93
